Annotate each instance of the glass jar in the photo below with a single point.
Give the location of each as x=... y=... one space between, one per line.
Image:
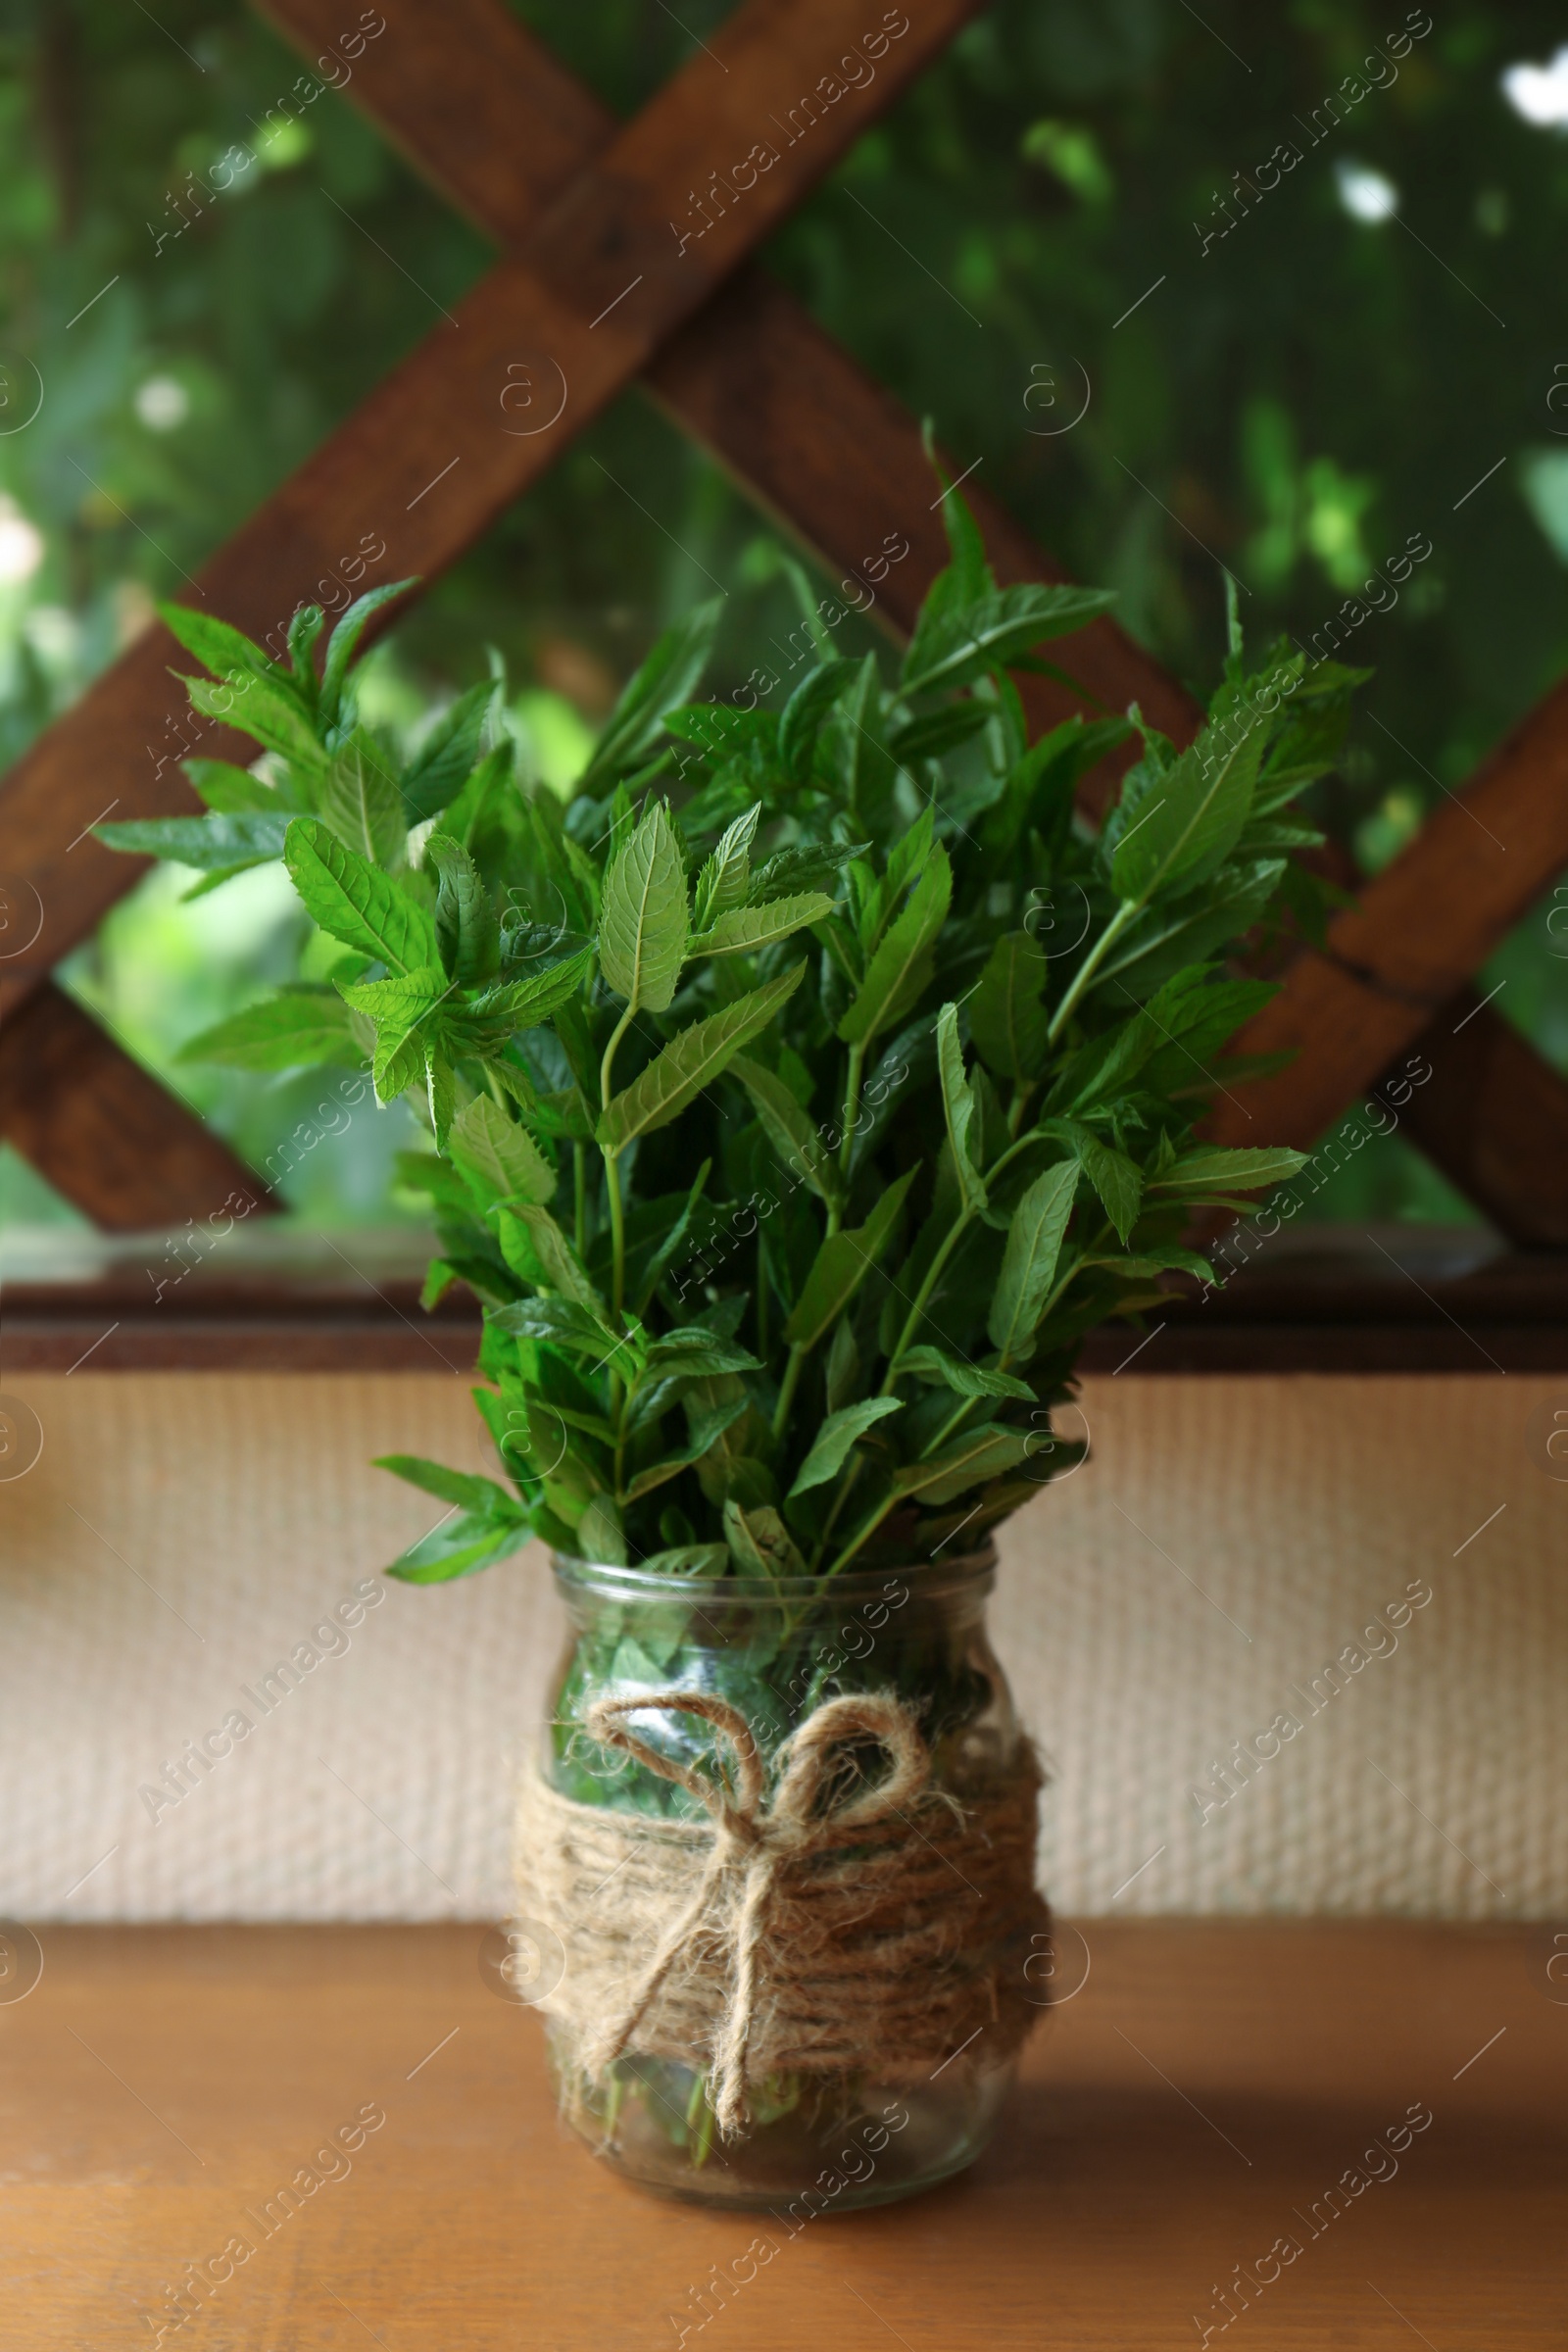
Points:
x=775 y=1651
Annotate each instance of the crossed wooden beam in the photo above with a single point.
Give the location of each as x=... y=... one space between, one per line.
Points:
x=624 y=258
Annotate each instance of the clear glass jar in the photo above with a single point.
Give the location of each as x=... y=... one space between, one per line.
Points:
x=776 y=1651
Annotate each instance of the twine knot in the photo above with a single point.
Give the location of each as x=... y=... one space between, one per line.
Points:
x=752 y=1837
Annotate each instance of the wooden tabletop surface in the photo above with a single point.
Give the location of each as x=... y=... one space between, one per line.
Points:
x=1182 y=2114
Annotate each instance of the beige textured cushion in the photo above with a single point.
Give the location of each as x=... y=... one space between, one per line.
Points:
x=183 y=1534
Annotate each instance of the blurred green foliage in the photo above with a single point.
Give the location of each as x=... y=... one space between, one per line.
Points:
x=1329 y=375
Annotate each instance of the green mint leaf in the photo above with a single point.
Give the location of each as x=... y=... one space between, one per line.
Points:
x=1116 y=1179
x=760 y=1542
x=472 y=1493
x=601 y=1536
x=691 y=1061
x=804 y=714
x=267 y=708
x=807 y=865
x=529 y=1003
x=1157 y=1261
x=303 y=632
x=865 y=766
x=1008 y=1017
x=448 y=754
x=1166 y=937
x=970 y=574
x=900 y=971
x=465 y=916
x=955 y=647
x=355 y=901
x=1188 y=818
x=345 y=638
x=669 y=1249
x=1029 y=1261
x=788 y=1128
x=457 y=1547
x=696 y=1349
x=722 y=730
x=706 y=1430
x=234 y=792
x=744 y=929
x=439 y=1277
x=224 y=844
x=225 y=651
x=560 y=1324
x=842 y=1264
x=296 y=1029
x=400 y=1000
x=689 y=1560
x=909 y=853
x=957 y=1104
x=1207 y=1171
x=937 y=732
x=498 y=1158
x=485 y=811
x=534 y=1247
x=643 y=917
x=940 y=1370
x=841 y=1369
x=400 y=1009
x=441 y=1090
x=361 y=801
x=979 y=1455
x=831 y=1445
x=664 y=680
x=1038 y=791
x=399 y=1063
x=726 y=878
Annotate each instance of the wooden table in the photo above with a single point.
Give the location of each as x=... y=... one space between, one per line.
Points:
x=1186 y=2109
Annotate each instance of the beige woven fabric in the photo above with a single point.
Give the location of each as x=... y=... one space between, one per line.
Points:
x=183 y=1534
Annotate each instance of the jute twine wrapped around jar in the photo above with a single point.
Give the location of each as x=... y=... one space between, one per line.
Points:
x=884 y=1932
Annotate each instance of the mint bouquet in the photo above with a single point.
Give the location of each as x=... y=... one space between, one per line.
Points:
x=799 y=1091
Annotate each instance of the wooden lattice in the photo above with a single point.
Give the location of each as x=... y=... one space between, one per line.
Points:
x=593 y=293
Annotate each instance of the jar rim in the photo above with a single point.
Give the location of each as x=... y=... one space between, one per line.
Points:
x=926 y=1579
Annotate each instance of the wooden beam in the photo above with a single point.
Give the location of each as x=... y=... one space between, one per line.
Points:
x=1494 y=1118
x=1418 y=932
x=479 y=106
x=118 y=1145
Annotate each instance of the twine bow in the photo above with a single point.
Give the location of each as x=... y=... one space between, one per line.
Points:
x=752 y=1842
